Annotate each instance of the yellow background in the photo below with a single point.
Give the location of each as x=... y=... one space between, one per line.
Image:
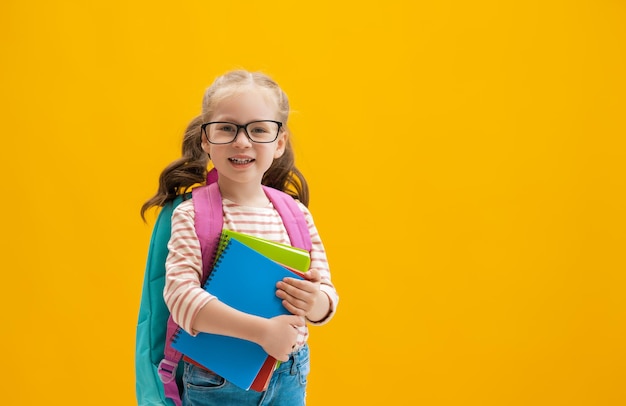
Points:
x=467 y=168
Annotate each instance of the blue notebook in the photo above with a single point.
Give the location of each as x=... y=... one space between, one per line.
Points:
x=246 y=280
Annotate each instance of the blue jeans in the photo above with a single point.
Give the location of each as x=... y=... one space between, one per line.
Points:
x=287 y=386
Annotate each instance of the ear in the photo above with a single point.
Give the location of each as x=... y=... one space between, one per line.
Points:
x=206 y=146
x=281 y=144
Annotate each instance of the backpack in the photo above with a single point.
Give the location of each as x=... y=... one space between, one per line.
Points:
x=158 y=378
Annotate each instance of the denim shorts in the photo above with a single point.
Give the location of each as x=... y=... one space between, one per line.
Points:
x=287 y=386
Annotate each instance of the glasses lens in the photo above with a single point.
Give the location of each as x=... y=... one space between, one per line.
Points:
x=221 y=133
x=262 y=131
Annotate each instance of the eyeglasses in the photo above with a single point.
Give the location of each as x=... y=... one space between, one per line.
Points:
x=223 y=132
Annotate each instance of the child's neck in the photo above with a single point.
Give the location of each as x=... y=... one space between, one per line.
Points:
x=244 y=195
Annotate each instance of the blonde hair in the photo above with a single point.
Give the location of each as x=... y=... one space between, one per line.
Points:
x=237 y=81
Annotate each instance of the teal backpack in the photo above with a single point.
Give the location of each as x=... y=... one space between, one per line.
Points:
x=158 y=377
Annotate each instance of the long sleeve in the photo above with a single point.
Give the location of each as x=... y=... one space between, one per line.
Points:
x=183 y=270
x=319 y=262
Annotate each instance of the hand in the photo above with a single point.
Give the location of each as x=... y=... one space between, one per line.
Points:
x=300 y=296
x=281 y=335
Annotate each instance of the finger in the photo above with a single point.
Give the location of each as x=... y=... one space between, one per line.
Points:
x=295 y=296
x=302 y=301
x=295 y=286
x=293 y=309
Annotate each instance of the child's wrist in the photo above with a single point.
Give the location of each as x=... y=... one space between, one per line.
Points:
x=322 y=308
x=260 y=330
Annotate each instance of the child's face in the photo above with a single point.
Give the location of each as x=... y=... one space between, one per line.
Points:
x=244 y=161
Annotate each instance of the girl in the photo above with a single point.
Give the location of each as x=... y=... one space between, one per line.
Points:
x=242 y=130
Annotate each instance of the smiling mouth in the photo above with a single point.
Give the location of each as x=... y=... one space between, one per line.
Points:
x=240 y=161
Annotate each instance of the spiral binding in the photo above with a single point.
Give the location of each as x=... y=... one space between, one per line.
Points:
x=220 y=247
x=217 y=263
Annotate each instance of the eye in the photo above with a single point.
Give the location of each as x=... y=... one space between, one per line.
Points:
x=225 y=127
x=257 y=129
x=260 y=128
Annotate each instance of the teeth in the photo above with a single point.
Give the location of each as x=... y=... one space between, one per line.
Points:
x=240 y=161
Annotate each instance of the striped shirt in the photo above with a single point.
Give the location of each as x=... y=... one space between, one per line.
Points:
x=183 y=294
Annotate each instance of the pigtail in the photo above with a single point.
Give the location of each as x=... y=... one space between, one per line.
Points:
x=190 y=169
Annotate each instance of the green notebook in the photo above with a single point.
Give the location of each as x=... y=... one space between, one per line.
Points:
x=292 y=257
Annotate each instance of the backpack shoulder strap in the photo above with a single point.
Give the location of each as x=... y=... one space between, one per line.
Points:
x=209 y=221
x=293 y=218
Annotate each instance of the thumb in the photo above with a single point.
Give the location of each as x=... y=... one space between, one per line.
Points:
x=297 y=321
x=313 y=275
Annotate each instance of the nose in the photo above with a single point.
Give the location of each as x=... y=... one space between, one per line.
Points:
x=242 y=140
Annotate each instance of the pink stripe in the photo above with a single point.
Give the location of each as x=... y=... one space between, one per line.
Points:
x=201 y=299
x=182 y=307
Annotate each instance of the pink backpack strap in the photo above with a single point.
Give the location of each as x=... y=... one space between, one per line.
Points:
x=209 y=221
x=211 y=176
x=169 y=365
x=293 y=218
